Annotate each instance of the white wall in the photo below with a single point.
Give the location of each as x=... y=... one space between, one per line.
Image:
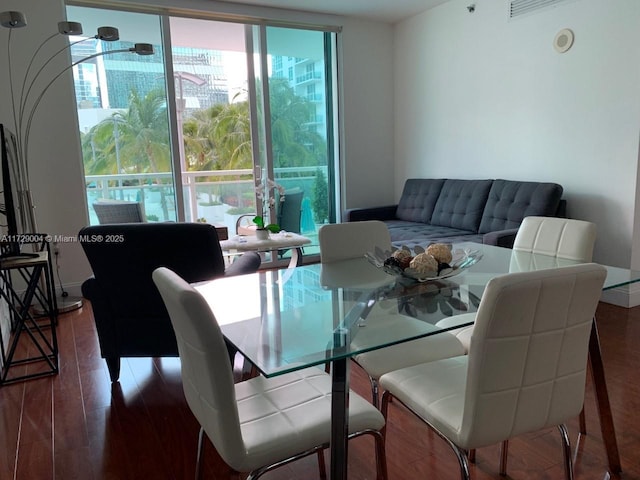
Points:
x=367 y=110
x=480 y=96
x=56 y=171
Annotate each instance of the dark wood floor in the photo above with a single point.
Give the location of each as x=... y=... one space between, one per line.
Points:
x=77 y=425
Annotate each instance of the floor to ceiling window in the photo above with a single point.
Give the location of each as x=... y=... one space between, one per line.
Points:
x=241 y=103
x=298 y=150
x=122 y=114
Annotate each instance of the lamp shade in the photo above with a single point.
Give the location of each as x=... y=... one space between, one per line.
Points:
x=13 y=19
x=70 y=28
x=108 y=34
x=143 y=49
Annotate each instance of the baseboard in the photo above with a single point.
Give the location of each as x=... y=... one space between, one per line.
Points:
x=73 y=289
x=627 y=296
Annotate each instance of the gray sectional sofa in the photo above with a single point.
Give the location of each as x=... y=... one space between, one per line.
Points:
x=450 y=210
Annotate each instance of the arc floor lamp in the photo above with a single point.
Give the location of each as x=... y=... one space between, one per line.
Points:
x=27 y=91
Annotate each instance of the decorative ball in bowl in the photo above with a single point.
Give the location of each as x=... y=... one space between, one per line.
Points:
x=437 y=261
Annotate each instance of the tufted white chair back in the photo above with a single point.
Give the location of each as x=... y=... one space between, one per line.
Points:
x=557 y=237
x=207 y=377
x=528 y=352
x=342 y=241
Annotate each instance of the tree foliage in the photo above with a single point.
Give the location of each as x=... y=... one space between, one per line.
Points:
x=295 y=143
x=217 y=138
x=136 y=139
x=320 y=198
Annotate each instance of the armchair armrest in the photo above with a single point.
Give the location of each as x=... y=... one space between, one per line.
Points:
x=248 y=262
x=500 y=238
x=387 y=212
x=88 y=288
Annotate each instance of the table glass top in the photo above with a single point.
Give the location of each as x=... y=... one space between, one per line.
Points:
x=283 y=320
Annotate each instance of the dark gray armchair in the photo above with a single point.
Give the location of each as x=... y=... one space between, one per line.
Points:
x=130 y=315
x=288 y=212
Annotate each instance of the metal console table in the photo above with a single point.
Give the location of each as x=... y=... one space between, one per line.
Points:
x=32 y=350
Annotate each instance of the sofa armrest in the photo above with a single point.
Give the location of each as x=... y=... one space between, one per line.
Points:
x=500 y=238
x=248 y=262
x=387 y=212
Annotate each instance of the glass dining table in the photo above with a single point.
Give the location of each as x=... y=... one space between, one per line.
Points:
x=290 y=319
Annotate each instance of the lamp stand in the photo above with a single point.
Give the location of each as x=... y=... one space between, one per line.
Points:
x=65 y=303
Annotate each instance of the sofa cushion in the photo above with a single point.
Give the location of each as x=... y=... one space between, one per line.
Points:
x=510 y=201
x=461 y=204
x=423 y=235
x=418 y=199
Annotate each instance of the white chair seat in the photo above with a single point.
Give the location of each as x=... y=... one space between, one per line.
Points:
x=269 y=407
x=434 y=391
x=426 y=349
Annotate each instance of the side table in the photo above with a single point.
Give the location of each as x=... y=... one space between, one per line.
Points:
x=275 y=242
x=33 y=344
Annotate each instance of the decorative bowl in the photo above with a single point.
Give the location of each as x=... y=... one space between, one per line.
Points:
x=462 y=258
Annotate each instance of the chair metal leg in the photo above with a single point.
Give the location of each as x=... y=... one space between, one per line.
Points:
x=381 y=459
x=504 y=452
x=384 y=407
x=583 y=422
x=321 y=465
x=199 y=455
x=566 y=450
x=461 y=455
x=374 y=392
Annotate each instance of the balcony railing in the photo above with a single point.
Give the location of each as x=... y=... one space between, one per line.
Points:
x=308 y=77
x=214 y=196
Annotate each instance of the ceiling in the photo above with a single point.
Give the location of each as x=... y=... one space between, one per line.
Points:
x=389 y=11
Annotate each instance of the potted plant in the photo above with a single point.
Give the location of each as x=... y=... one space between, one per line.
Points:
x=262 y=193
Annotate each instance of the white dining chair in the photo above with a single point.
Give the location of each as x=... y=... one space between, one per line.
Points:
x=565 y=238
x=526 y=366
x=557 y=239
x=345 y=241
x=262 y=423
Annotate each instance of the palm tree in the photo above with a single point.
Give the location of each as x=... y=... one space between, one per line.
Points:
x=144 y=132
x=135 y=140
x=96 y=152
x=294 y=143
x=220 y=137
x=198 y=143
x=231 y=134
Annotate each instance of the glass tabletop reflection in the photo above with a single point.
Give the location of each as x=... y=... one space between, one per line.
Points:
x=284 y=320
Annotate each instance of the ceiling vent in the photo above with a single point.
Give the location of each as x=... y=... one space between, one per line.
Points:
x=518 y=8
